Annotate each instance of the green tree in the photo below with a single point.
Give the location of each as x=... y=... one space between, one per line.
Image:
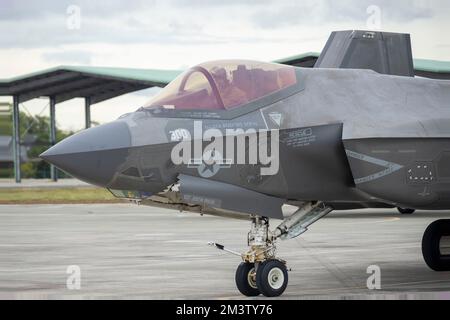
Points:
x=38 y=126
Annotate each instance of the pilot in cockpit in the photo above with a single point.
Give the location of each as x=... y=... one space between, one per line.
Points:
x=231 y=95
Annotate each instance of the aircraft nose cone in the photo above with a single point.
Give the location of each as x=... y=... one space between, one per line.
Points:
x=92 y=155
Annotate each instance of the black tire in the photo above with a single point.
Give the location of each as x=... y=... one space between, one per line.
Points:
x=266 y=280
x=243 y=280
x=431 y=245
x=406 y=210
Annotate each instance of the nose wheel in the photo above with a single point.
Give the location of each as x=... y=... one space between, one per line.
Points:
x=270 y=278
x=246 y=279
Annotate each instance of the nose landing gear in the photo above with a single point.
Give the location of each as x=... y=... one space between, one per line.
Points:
x=269 y=275
x=261 y=272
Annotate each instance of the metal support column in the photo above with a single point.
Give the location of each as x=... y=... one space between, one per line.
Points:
x=16 y=138
x=87 y=112
x=53 y=170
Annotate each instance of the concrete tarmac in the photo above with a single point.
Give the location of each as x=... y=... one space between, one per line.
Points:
x=126 y=251
x=43 y=183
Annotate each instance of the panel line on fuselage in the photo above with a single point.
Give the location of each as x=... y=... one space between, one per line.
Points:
x=390 y=166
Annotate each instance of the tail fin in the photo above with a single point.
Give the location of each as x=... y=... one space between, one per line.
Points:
x=383 y=52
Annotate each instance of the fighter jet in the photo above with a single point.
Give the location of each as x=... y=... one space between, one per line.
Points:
x=240 y=139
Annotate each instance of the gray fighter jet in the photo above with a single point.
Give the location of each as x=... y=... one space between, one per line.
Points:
x=240 y=139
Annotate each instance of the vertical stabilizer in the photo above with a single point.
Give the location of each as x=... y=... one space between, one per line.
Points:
x=383 y=52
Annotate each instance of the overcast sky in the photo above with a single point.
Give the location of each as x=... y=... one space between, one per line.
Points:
x=175 y=34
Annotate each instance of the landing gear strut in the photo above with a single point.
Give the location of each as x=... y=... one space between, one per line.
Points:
x=436 y=245
x=261 y=271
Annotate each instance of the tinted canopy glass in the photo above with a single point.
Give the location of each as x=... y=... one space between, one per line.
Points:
x=224 y=85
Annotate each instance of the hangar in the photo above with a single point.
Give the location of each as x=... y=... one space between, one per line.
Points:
x=94 y=84
x=97 y=84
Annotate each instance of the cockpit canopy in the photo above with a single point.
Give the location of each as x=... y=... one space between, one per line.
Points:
x=224 y=85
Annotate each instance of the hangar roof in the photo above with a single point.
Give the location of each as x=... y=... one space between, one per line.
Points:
x=103 y=83
x=97 y=83
x=432 y=68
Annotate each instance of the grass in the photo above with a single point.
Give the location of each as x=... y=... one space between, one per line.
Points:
x=56 y=196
